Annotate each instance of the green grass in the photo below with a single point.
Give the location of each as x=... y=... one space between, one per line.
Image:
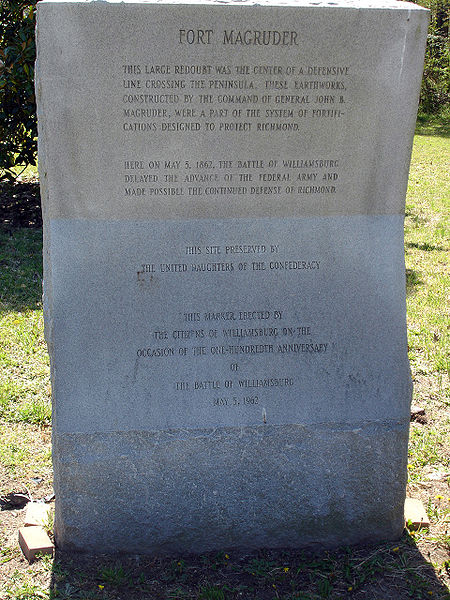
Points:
x=114 y=576
x=427 y=244
x=22 y=454
x=415 y=568
x=24 y=365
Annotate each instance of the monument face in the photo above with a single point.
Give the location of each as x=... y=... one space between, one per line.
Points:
x=223 y=193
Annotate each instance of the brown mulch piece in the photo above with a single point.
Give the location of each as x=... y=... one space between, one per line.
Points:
x=418 y=415
x=14 y=500
x=20 y=204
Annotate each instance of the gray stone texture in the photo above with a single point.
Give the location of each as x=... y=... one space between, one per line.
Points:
x=225 y=304
x=199 y=490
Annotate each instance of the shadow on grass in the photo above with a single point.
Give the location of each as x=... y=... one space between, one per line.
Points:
x=386 y=572
x=20 y=205
x=424 y=246
x=20 y=246
x=433 y=125
x=412 y=281
x=20 y=269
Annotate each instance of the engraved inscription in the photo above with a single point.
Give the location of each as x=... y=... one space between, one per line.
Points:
x=202 y=100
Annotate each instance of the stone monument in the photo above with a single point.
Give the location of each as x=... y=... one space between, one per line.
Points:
x=223 y=192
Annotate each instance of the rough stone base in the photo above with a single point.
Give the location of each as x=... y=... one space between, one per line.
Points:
x=196 y=491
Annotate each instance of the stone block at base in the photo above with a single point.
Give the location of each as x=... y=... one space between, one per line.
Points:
x=415 y=514
x=34 y=540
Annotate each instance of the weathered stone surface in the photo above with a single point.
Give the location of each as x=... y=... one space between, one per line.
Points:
x=223 y=193
x=264 y=486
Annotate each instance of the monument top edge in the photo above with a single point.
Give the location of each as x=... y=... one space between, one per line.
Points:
x=356 y=4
